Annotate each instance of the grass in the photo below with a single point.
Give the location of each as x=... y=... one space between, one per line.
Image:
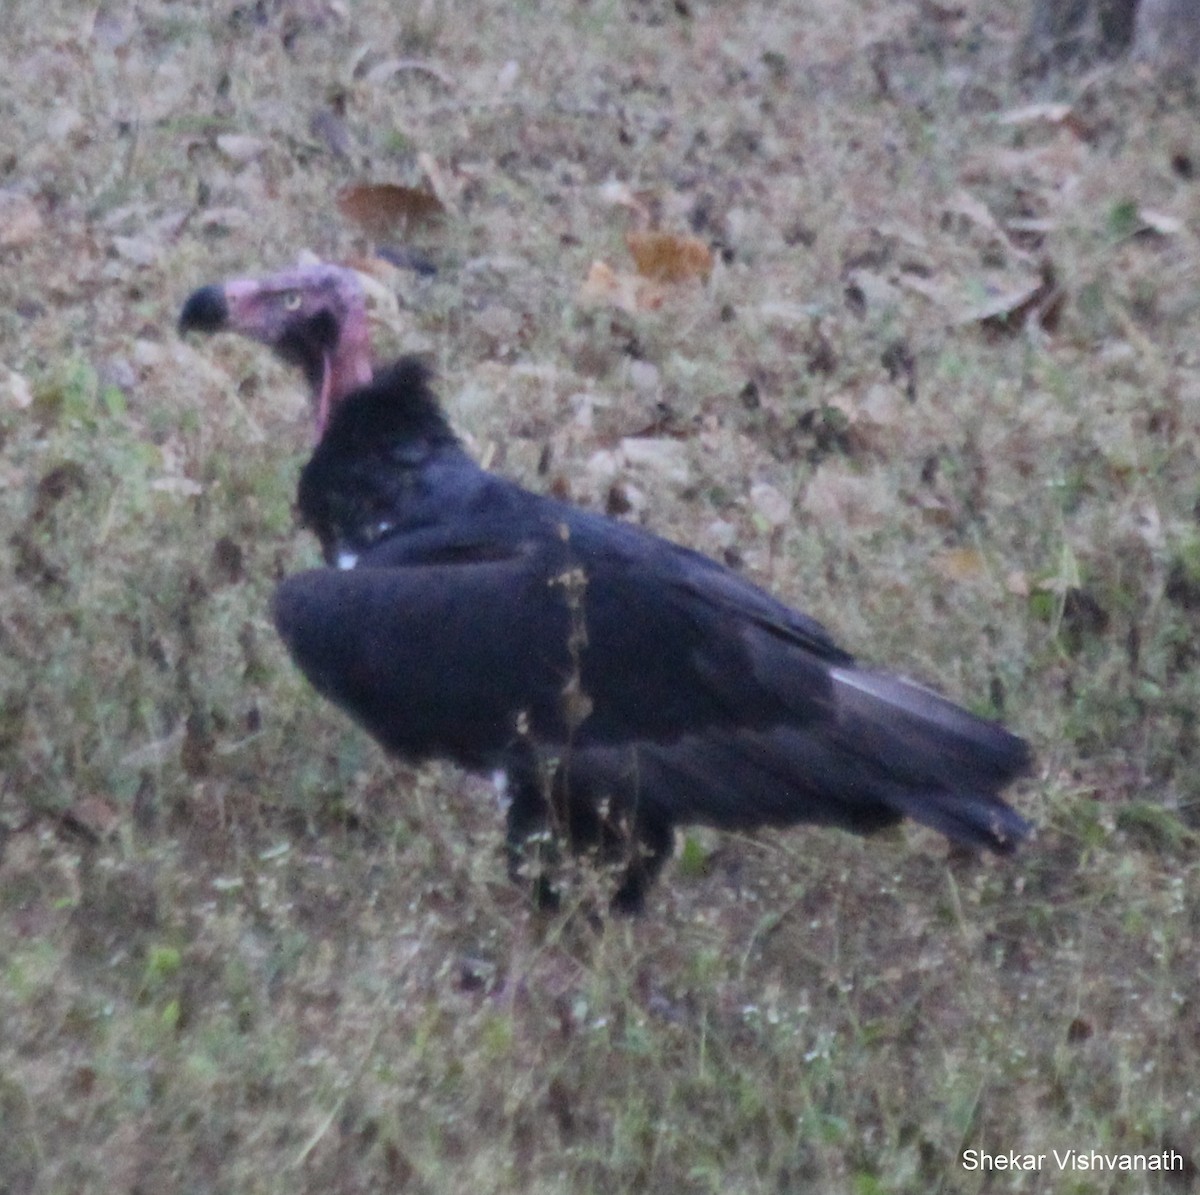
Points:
x=243 y=951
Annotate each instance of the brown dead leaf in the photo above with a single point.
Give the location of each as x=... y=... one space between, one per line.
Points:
x=936 y=509
x=665 y=257
x=960 y=564
x=1007 y=307
x=384 y=210
x=1057 y=115
x=93 y=818
x=1008 y=312
x=605 y=287
x=20 y=221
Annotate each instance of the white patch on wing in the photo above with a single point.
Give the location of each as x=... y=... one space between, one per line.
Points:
x=347 y=559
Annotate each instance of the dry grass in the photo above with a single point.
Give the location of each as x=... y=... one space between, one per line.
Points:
x=242 y=951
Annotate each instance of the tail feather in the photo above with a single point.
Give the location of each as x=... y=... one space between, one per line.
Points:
x=888 y=749
x=921 y=737
x=944 y=766
x=973 y=819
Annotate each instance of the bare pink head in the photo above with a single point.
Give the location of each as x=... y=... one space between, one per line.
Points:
x=313 y=316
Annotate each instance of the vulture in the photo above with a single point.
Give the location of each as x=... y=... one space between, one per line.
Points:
x=619 y=683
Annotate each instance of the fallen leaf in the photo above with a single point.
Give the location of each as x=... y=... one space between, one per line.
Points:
x=1017 y=583
x=16 y=390
x=936 y=509
x=383 y=210
x=1007 y=306
x=882 y=407
x=383 y=71
x=507 y=75
x=383 y=306
x=1160 y=222
x=963 y=203
x=1009 y=311
x=770 y=504
x=837 y=498
x=657 y=454
x=960 y=564
x=1057 y=164
x=1044 y=113
x=91 y=817
x=789 y=313
x=620 y=194
x=1031 y=226
x=927 y=288
x=239 y=148
x=20 y=220
x=645 y=377
x=436 y=179
x=139 y=250
x=665 y=257
x=499 y=324
x=605 y=287
x=177 y=487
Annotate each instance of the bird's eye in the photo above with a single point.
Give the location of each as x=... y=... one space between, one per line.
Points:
x=291 y=300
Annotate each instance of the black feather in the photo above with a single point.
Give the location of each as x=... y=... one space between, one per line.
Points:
x=624 y=683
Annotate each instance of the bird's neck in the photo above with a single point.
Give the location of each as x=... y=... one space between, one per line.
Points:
x=347 y=368
x=352 y=366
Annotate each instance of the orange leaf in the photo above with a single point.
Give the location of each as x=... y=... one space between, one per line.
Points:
x=385 y=209
x=604 y=287
x=960 y=564
x=665 y=257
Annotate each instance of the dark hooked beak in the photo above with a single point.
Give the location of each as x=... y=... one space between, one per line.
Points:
x=204 y=311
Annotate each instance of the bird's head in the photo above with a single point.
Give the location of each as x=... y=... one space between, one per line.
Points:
x=313 y=316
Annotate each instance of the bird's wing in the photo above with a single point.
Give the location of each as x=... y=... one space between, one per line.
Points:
x=767 y=720
x=659 y=672
x=447 y=656
x=475 y=624
x=923 y=737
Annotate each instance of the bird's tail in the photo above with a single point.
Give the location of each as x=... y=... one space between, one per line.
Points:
x=937 y=763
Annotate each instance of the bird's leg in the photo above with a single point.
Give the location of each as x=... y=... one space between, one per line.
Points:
x=529 y=839
x=651 y=846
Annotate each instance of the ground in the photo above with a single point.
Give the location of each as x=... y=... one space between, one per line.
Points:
x=940 y=389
